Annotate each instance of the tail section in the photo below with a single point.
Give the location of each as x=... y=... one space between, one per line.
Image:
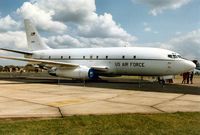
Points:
x=33 y=37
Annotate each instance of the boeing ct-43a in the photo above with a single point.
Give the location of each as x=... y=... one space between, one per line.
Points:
x=90 y=63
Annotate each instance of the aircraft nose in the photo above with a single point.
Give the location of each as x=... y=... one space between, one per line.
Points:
x=189 y=65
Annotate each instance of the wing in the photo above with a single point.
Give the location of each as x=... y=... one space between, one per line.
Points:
x=100 y=68
x=49 y=63
x=17 y=51
x=44 y=62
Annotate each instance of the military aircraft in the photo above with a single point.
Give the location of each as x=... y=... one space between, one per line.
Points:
x=90 y=63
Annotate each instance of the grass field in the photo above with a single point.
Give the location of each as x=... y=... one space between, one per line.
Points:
x=122 y=124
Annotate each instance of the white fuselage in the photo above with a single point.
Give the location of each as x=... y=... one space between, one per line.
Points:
x=122 y=60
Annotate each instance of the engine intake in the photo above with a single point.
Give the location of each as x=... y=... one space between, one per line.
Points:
x=92 y=74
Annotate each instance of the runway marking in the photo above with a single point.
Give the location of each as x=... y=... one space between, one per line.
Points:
x=67 y=102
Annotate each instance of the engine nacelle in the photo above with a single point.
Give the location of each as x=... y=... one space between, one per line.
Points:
x=81 y=72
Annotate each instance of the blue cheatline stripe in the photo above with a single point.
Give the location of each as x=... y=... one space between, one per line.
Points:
x=105 y=59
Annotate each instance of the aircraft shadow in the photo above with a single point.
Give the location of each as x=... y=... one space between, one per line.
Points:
x=135 y=85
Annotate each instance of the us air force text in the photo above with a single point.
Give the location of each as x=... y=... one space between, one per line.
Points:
x=129 y=64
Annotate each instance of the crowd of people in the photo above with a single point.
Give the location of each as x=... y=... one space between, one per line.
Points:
x=188 y=77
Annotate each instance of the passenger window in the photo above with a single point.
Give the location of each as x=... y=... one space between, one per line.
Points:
x=90 y=57
x=61 y=57
x=123 y=57
x=49 y=57
x=106 y=57
x=134 y=57
x=83 y=57
x=69 y=57
x=97 y=57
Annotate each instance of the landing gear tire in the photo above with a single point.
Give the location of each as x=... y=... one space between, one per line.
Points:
x=161 y=81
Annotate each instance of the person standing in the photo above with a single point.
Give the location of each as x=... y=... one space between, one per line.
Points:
x=188 y=77
x=191 y=77
x=184 y=78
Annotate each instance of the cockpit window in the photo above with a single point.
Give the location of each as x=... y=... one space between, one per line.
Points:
x=179 y=56
x=174 y=56
x=170 y=56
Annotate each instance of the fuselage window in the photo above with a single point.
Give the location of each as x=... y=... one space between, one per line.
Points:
x=69 y=57
x=97 y=57
x=61 y=57
x=123 y=57
x=134 y=57
x=106 y=57
x=83 y=57
x=49 y=57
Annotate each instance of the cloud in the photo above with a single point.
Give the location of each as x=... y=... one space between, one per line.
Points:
x=67 y=41
x=12 y=40
x=63 y=41
x=41 y=18
x=76 y=11
x=7 y=23
x=147 y=29
x=76 y=22
x=89 y=29
x=188 y=44
x=104 y=26
x=104 y=42
x=158 y=6
x=82 y=13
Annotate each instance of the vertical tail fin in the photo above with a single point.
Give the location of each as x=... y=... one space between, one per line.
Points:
x=33 y=37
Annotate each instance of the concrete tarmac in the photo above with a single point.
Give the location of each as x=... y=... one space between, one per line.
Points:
x=45 y=98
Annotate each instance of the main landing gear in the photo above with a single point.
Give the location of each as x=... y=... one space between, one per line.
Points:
x=161 y=81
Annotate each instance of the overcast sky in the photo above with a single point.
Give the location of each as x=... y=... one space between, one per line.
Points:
x=170 y=24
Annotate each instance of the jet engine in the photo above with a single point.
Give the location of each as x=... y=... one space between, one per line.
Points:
x=81 y=72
